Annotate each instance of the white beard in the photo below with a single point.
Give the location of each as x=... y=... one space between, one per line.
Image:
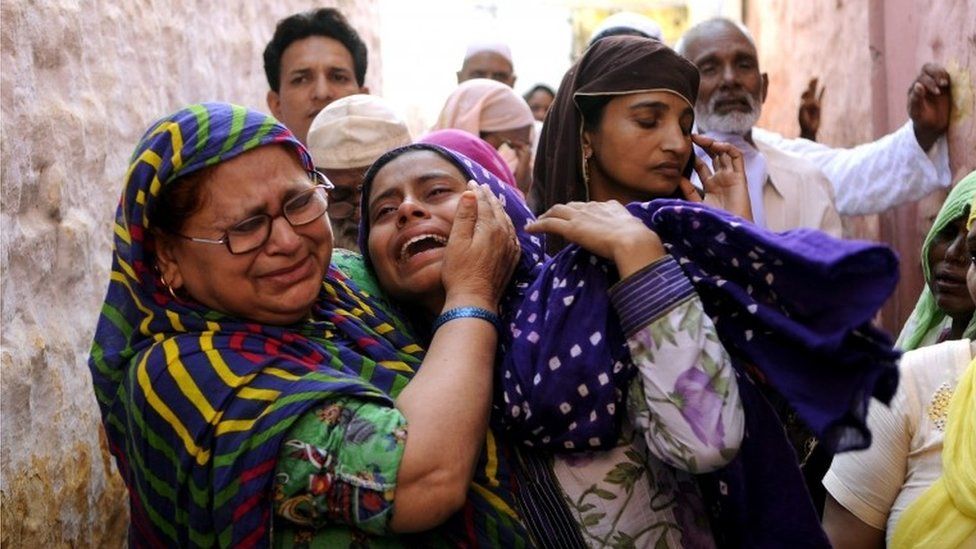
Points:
x=738 y=123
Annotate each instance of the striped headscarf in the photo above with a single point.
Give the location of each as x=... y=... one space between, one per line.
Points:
x=195 y=403
x=927 y=319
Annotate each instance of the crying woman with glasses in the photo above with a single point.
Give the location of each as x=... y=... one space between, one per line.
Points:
x=253 y=395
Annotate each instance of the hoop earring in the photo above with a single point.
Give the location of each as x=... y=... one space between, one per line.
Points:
x=168 y=287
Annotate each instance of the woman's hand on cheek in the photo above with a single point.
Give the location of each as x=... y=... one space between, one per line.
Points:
x=605 y=229
x=482 y=251
x=727 y=187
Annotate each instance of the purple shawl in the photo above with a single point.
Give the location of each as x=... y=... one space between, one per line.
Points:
x=793 y=309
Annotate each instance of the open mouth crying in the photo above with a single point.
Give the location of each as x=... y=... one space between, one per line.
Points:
x=420 y=244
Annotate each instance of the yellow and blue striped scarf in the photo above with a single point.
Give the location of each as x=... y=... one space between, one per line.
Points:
x=195 y=403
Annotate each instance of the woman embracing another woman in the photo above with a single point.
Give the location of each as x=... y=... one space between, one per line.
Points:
x=251 y=394
x=612 y=383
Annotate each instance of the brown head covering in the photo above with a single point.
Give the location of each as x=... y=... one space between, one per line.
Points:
x=616 y=65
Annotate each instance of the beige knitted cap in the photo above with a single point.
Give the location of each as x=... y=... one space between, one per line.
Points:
x=354 y=131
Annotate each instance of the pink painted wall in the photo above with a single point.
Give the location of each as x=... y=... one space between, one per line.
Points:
x=801 y=40
x=867 y=53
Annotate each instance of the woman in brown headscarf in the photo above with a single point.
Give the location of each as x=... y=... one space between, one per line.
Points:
x=620 y=129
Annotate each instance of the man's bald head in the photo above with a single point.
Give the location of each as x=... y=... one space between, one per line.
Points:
x=707 y=30
x=732 y=89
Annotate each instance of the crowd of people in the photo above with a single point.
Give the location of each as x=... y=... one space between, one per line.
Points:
x=613 y=314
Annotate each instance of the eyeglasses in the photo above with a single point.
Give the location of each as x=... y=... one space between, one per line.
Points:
x=253 y=232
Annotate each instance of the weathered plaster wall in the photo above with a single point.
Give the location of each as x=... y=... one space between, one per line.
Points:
x=801 y=40
x=80 y=83
x=867 y=53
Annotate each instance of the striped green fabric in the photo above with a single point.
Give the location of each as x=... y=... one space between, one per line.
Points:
x=195 y=403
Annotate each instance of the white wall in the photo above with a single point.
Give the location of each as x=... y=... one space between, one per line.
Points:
x=79 y=83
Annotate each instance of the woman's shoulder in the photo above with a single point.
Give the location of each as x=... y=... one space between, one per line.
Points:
x=353 y=265
x=936 y=364
x=927 y=370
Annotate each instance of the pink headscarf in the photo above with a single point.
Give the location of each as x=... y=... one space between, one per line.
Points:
x=483 y=105
x=475 y=148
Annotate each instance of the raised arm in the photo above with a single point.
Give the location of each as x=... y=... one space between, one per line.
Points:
x=900 y=167
x=447 y=402
x=808 y=115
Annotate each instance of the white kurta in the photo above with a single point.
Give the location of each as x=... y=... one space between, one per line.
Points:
x=876 y=176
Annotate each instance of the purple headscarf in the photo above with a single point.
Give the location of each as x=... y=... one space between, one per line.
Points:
x=540 y=313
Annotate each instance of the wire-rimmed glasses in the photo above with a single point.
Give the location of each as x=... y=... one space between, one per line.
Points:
x=301 y=209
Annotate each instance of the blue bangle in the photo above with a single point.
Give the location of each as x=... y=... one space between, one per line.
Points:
x=467 y=312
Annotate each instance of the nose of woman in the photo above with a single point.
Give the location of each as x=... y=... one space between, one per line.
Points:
x=284 y=239
x=410 y=209
x=675 y=139
x=957 y=252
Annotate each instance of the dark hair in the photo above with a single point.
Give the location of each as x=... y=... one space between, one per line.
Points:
x=591 y=108
x=179 y=200
x=327 y=22
x=378 y=165
x=538 y=88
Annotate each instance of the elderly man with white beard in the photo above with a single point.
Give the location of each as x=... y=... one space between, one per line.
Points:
x=901 y=167
x=786 y=191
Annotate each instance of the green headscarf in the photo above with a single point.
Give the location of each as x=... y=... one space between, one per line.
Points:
x=927 y=320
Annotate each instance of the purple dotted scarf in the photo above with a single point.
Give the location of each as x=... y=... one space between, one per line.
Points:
x=793 y=309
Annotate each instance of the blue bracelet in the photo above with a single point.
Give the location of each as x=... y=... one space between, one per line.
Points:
x=466 y=312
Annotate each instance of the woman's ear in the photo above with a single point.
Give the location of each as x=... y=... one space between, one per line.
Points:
x=167 y=260
x=586 y=144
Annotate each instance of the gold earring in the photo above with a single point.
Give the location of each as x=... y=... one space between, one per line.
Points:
x=586 y=169
x=168 y=287
x=166 y=284
x=162 y=280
